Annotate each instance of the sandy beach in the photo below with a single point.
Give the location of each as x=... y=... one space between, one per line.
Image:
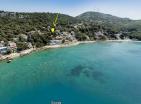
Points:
x=15 y=55
x=125 y=40
x=28 y=51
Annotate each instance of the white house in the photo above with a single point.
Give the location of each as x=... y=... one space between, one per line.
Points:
x=12 y=46
x=3 y=50
x=55 y=42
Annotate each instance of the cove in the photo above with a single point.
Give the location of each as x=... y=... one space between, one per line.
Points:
x=94 y=73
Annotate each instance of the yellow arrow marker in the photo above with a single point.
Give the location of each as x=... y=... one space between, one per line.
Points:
x=52 y=30
x=54 y=24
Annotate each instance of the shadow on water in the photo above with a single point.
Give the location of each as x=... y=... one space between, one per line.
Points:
x=88 y=72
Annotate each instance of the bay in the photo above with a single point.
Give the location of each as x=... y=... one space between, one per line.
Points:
x=95 y=73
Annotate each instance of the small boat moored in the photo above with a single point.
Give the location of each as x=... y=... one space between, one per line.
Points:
x=9 y=59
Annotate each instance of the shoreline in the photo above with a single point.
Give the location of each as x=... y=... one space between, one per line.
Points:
x=28 y=51
x=126 y=40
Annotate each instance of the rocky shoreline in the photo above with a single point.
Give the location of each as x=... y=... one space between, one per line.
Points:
x=26 y=52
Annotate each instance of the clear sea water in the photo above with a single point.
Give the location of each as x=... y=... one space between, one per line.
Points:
x=95 y=73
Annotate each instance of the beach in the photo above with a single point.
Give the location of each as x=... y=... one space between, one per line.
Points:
x=28 y=51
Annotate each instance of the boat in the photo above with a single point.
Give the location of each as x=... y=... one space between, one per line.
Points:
x=9 y=59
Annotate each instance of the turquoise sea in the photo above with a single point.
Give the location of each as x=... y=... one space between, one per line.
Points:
x=95 y=73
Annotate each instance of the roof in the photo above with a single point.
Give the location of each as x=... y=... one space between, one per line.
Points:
x=3 y=48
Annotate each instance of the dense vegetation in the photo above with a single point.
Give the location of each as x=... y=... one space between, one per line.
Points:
x=128 y=27
x=35 y=27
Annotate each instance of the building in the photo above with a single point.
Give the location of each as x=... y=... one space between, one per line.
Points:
x=30 y=45
x=3 y=50
x=12 y=46
x=55 y=42
x=99 y=33
x=2 y=44
x=23 y=37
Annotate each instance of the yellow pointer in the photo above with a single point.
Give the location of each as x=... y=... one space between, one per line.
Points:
x=54 y=24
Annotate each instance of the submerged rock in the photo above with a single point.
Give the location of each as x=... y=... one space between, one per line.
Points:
x=88 y=72
x=99 y=76
x=77 y=70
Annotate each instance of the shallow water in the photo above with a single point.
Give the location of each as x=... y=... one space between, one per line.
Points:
x=95 y=73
